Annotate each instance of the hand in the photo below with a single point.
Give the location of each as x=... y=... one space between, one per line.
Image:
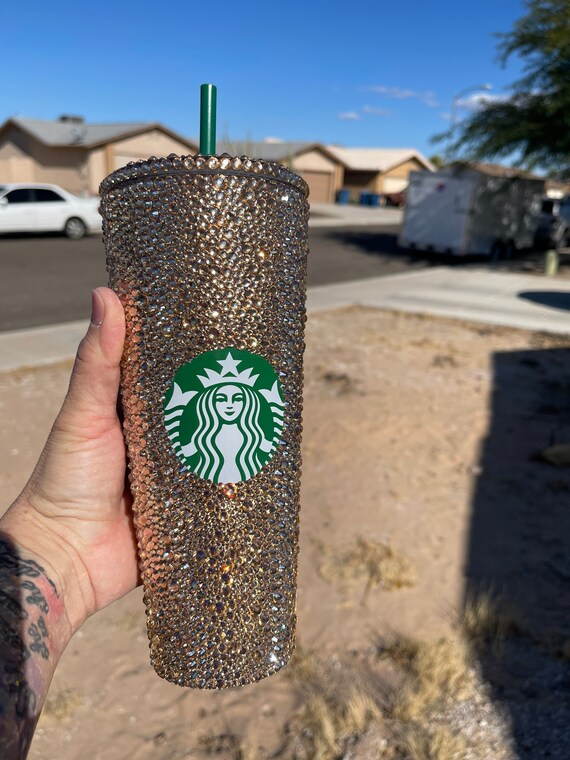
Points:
x=75 y=512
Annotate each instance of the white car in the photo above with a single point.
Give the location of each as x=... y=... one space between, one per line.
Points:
x=47 y=208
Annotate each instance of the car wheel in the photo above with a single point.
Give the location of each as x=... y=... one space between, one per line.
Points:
x=74 y=228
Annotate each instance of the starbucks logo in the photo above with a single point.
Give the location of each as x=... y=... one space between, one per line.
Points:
x=224 y=414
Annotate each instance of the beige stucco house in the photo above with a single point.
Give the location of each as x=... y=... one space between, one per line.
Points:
x=320 y=170
x=77 y=155
x=328 y=169
x=384 y=171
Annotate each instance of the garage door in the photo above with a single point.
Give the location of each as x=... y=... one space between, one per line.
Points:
x=394 y=184
x=122 y=159
x=320 y=186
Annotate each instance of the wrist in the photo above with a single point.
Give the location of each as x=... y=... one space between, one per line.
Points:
x=35 y=629
x=60 y=580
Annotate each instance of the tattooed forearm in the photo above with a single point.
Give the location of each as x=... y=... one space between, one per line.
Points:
x=27 y=599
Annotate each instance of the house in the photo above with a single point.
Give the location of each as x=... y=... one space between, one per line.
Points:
x=496 y=170
x=328 y=169
x=320 y=170
x=383 y=171
x=76 y=155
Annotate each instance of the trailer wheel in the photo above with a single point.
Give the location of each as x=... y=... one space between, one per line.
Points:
x=497 y=250
x=510 y=249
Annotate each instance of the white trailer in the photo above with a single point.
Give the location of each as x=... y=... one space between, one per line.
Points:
x=463 y=210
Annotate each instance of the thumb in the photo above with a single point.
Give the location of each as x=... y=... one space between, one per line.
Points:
x=94 y=384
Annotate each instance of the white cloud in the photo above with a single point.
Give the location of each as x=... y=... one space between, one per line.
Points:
x=376 y=111
x=473 y=103
x=478 y=100
x=427 y=97
x=271 y=140
x=349 y=116
x=392 y=92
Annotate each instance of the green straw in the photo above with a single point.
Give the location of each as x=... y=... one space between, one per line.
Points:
x=208 y=119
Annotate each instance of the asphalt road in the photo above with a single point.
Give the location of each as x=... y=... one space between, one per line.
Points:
x=48 y=279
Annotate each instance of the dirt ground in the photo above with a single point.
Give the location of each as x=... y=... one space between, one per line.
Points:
x=419 y=433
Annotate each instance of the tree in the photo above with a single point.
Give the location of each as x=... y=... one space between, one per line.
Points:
x=438 y=161
x=533 y=125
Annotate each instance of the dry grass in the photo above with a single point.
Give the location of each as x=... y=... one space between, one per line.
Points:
x=336 y=707
x=377 y=564
x=326 y=723
x=316 y=730
x=488 y=620
x=245 y=750
x=426 y=743
x=338 y=704
x=339 y=383
x=230 y=744
x=435 y=671
x=63 y=704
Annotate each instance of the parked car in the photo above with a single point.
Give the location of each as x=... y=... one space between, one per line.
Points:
x=47 y=208
x=396 y=200
x=554 y=223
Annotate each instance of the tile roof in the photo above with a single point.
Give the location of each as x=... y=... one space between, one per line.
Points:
x=376 y=159
x=59 y=133
x=496 y=170
x=80 y=134
x=268 y=151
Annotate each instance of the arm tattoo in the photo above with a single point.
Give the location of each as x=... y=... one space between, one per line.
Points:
x=26 y=594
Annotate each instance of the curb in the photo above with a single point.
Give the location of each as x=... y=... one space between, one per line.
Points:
x=37 y=346
x=473 y=295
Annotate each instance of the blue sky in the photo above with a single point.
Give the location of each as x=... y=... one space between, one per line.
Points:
x=358 y=74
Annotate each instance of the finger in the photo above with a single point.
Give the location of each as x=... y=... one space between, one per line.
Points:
x=94 y=383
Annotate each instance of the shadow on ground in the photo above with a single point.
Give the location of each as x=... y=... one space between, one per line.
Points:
x=384 y=243
x=519 y=547
x=551 y=298
x=32 y=235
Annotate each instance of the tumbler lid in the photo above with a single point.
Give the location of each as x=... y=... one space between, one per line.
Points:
x=225 y=165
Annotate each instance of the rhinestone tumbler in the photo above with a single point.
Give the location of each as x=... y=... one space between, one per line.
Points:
x=208 y=255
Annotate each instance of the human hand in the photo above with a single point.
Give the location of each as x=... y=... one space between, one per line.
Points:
x=75 y=512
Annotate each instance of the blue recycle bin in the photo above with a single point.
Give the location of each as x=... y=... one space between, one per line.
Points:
x=365 y=199
x=374 y=199
x=343 y=197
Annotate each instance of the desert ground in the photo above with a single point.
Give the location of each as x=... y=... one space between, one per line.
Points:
x=434 y=565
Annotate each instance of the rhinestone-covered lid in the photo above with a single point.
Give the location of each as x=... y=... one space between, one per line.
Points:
x=223 y=164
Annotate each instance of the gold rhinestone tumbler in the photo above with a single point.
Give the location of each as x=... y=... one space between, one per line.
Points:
x=208 y=255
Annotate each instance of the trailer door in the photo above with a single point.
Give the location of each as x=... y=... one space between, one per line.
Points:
x=437 y=211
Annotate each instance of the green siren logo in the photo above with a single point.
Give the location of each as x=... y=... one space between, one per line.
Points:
x=224 y=414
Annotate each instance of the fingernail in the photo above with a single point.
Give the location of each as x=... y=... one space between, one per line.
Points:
x=97 y=309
